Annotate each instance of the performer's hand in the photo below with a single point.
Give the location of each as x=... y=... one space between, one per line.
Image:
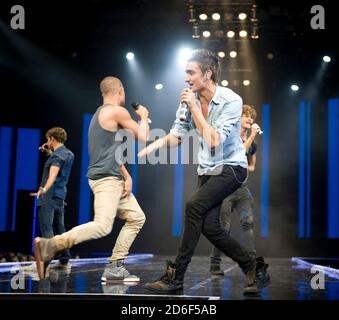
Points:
x=36 y=194
x=157 y=144
x=142 y=112
x=128 y=184
x=255 y=129
x=187 y=96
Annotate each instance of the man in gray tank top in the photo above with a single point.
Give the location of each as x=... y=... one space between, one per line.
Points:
x=111 y=185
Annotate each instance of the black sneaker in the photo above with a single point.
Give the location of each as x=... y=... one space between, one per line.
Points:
x=262 y=276
x=168 y=283
x=215 y=270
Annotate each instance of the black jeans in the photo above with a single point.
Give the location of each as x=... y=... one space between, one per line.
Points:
x=51 y=219
x=202 y=215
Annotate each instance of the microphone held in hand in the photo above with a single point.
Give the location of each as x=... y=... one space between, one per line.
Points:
x=256 y=126
x=184 y=112
x=135 y=106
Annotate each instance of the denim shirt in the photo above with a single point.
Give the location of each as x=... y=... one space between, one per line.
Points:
x=62 y=158
x=224 y=113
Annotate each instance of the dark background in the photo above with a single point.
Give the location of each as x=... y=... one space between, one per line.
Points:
x=50 y=73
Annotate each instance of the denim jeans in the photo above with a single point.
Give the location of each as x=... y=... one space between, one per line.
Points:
x=202 y=215
x=51 y=219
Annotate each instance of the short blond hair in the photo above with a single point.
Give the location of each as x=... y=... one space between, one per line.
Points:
x=110 y=85
x=246 y=109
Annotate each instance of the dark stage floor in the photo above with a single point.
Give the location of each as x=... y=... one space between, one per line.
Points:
x=290 y=280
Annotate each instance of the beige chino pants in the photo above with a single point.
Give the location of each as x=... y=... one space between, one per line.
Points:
x=107 y=205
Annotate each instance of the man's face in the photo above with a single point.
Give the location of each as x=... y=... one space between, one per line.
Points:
x=246 y=120
x=194 y=77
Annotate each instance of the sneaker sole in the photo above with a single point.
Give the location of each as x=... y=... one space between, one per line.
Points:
x=117 y=280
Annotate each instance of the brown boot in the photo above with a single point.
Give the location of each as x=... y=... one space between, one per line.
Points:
x=168 y=283
x=251 y=287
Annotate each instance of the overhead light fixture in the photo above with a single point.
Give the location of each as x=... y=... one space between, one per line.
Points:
x=206 y=34
x=195 y=34
x=221 y=54
x=233 y=54
x=159 y=86
x=270 y=56
x=130 y=56
x=254 y=13
x=326 y=59
x=224 y=83
x=294 y=87
x=255 y=34
x=243 y=33
x=216 y=16
x=203 y=16
x=242 y=16
x=246 y=83
x=191 y=14
x=230 y=34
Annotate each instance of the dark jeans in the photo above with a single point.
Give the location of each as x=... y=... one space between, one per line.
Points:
x=51 y=219
x=202 y=215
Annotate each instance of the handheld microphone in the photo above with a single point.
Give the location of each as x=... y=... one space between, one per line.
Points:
x=260 y=132
x=135 y=106
x=184 y=112
x=44 y=147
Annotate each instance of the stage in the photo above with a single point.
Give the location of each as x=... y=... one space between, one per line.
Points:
x=290 y=280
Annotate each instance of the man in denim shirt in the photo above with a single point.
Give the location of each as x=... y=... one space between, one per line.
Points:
x=52 y=192
x=215 y=112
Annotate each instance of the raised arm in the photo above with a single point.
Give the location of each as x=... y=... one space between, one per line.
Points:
x=141 y=130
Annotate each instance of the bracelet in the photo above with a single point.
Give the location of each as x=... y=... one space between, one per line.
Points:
x=43 y=189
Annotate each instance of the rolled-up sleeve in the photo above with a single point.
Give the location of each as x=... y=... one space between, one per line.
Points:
x=179 y=128
x=229 y=116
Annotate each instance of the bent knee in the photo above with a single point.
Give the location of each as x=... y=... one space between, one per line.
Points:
x=247 y=222
x=104 y=228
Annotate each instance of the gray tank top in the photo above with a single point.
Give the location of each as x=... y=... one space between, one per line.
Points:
x=104 y=151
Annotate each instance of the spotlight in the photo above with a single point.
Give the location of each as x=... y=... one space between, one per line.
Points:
x=203 y=16
x=183 y=56
x=254 y=13
x=246 y=83
x=233 y=54
x=130 y=56
x=195 y=34
x=191 y=14
x=327 y=58
x=224 y=83
x=254 y=34
x=206 y=34
x=230 y=34
x=270 y=56
x=159 y=86
x=294 y=87
x=216 y=16
x=242 y=16
x=221 y=54
x=243 y=33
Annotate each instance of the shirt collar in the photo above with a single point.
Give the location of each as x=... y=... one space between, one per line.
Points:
x=217 y=98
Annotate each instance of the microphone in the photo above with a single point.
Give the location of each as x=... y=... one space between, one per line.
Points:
x=260 y=132
x=44 y=147
x=135 y=106
x=184 y=112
